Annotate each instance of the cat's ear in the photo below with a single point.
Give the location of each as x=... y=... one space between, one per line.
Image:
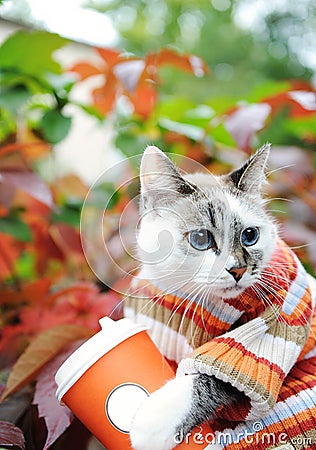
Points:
x=160 y=180
x=251 y=175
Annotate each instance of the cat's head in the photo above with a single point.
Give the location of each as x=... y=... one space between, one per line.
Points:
x=200 y=229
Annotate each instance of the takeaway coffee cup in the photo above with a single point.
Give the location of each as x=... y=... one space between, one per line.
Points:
x=105 y=380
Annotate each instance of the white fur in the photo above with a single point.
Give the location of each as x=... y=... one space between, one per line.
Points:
x=167 y=266
x=157 y=238
x=159 y=250
x=155 y=423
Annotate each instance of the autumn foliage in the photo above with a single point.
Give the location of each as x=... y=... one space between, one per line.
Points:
x=50 y=300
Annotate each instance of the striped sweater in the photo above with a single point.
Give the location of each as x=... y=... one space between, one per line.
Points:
x=265 y=347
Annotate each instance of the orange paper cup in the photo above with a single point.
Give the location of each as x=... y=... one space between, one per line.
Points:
x=105 y=380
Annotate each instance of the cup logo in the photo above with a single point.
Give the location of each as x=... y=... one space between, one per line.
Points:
x=122 y=403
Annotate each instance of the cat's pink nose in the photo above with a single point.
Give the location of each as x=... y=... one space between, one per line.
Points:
x=237 y=272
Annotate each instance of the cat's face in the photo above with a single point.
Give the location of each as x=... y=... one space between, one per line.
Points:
x=202 y=234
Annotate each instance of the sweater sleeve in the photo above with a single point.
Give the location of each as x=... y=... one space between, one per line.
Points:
x=256 y=356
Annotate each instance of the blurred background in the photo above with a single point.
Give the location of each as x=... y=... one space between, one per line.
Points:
x=85 y=85
x=245 y=43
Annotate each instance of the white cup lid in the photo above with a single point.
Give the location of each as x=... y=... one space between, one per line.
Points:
x=112 y=334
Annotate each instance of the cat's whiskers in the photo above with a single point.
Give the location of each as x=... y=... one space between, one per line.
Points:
x=278 y=169
x=272 y=282
x=260 y=292
x=242 y=300
x=269 y=287
x=269 y=199
x=199 y=303
x=309 y=244
x=150 y=304
x=284 y=264
x=279 y=298
x=282 y=318
x=117 y=306
x=205 y=297
x=187 y=297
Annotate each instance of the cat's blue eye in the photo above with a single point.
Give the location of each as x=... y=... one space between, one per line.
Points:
x=201 y=239
x=250 y=236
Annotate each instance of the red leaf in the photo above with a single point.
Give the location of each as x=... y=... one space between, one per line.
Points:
x=88 y=306
x=13 y=342
x=46 y=248
x=27 y=148
x=133 y=76
x=305 y=103
x=109 y=56
x=57 y=417
x=144 y=99
x=74 y=290
x=66 y=238
x=104 y=97
x=85 y=70
x=31 y=293
x=11 y=435
x=189 y=63
x=129 y=73
x=300 y=99
x=41 y=350
x=36 y=291
x=6 y=198
x=28 y=182
x=10 y=250
x=244 y=122
x=39 y=318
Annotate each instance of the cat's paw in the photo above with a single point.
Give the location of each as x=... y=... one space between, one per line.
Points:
x=157 y=421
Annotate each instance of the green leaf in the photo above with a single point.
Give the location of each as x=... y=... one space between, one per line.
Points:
x=30 y=52
x=14 y=226
x=220 y=134
x=10 y=79
x=61 y=83
x=199 y=116
x=55 y=126
x=24 y=267
x=275 y=130
x=91 y=110
x=191 y=131
x=222 y=104
x=104 y=195
x=7 y=124
x=131 y=141
x=114 y=195
x=301 y=127
x=68 y=213
x=174 y=108
x=13 y=99
x=268 y=89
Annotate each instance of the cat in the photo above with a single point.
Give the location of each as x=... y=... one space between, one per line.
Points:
x=207 y=238
x=229 y=208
